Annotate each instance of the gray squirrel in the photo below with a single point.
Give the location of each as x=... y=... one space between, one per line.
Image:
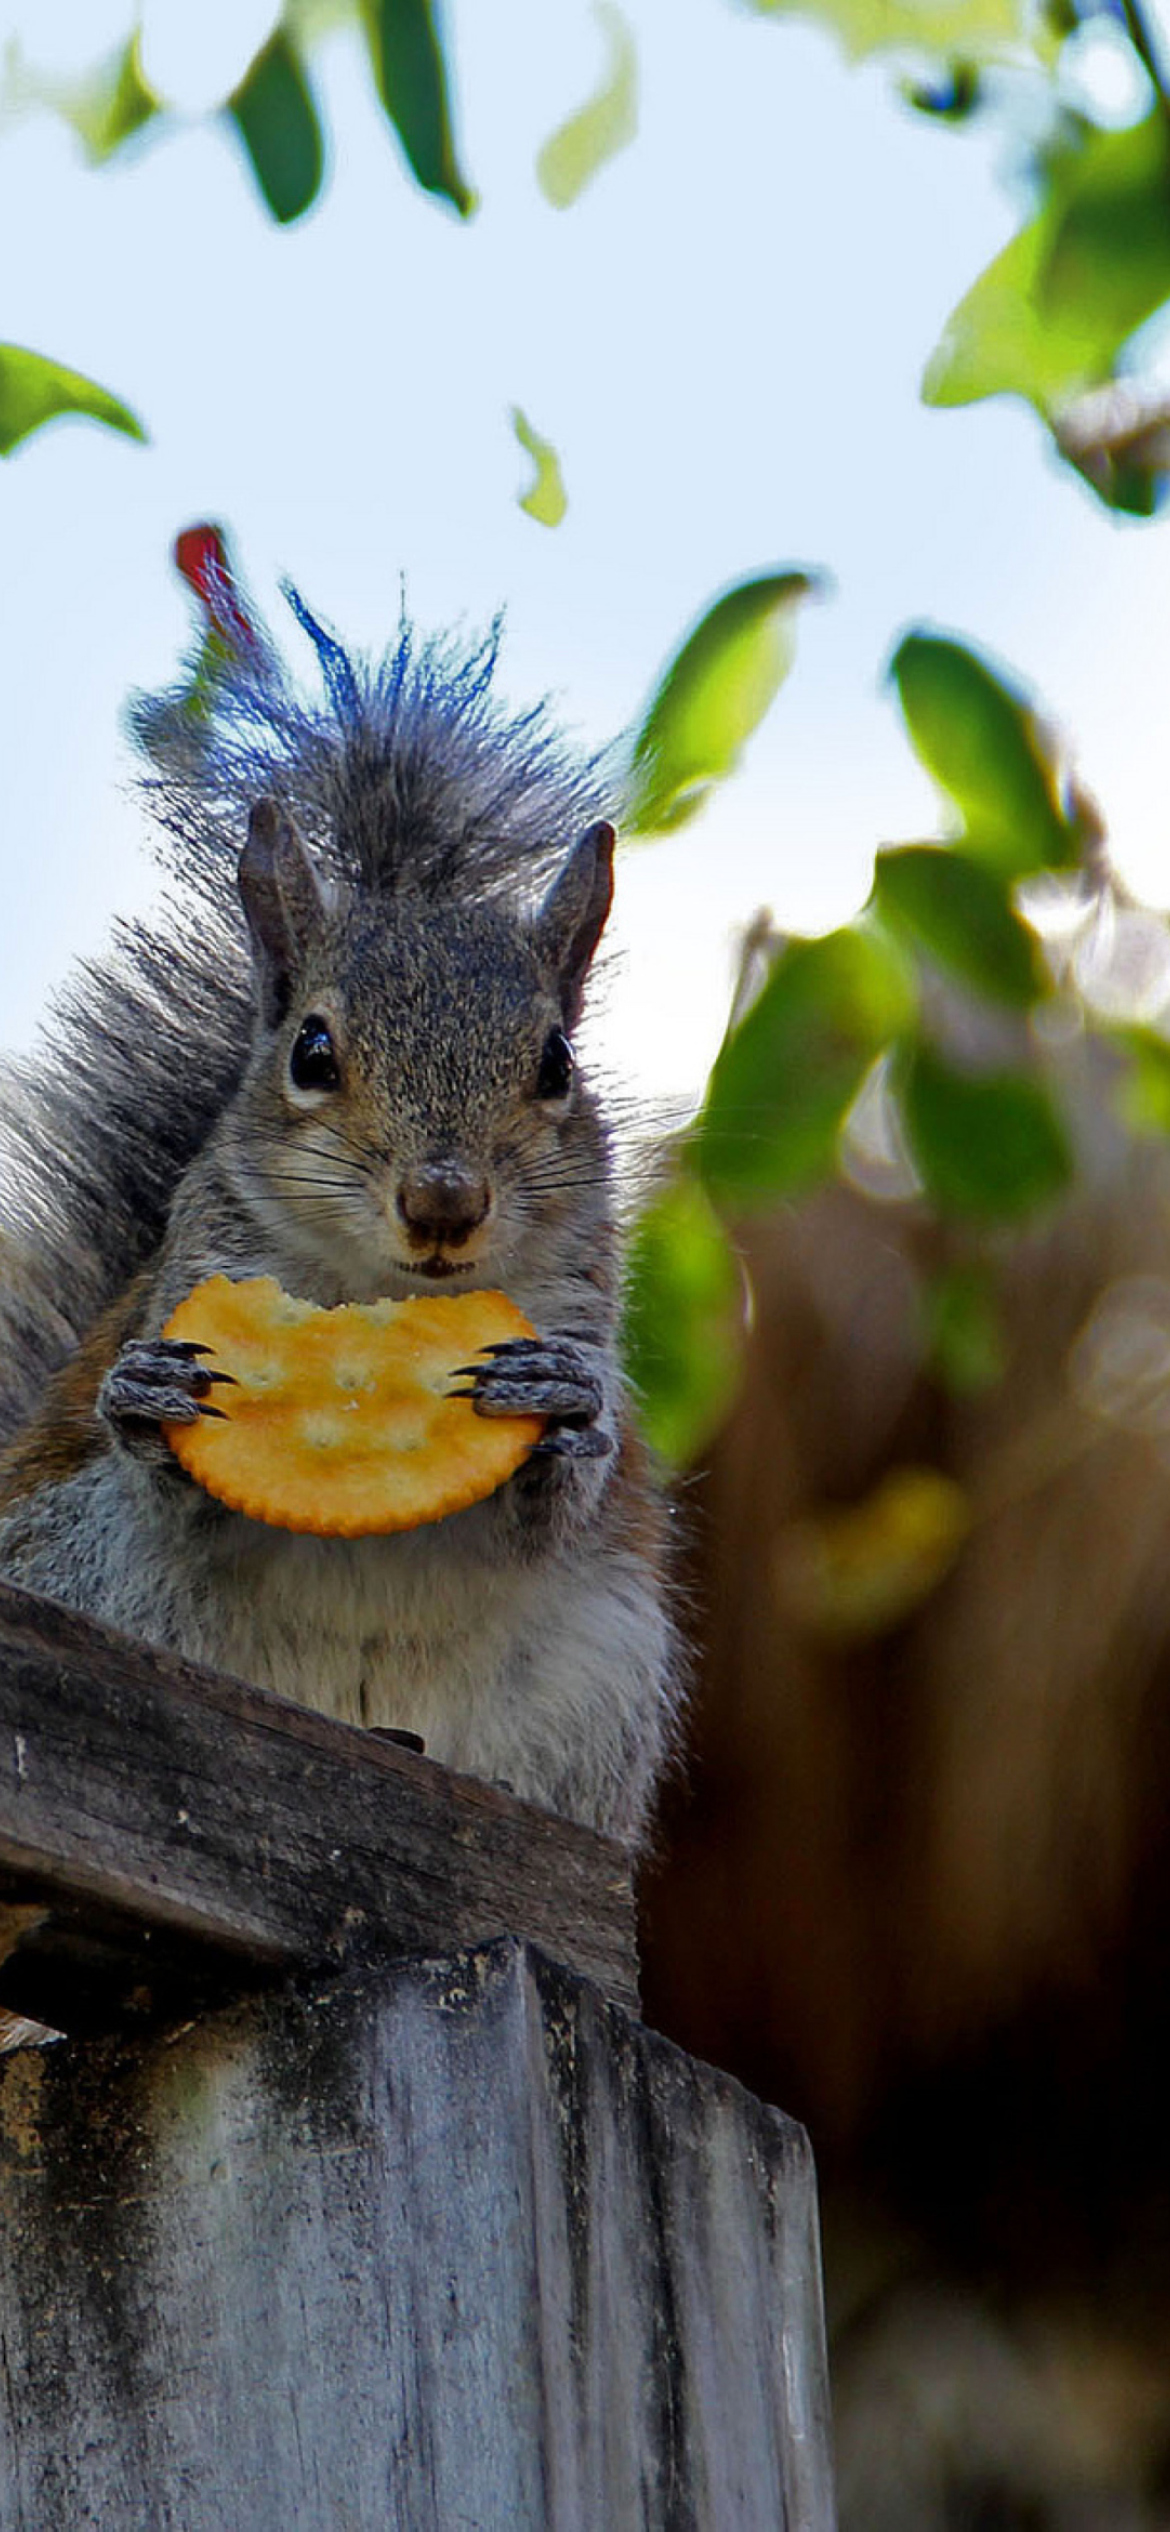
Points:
x=366 y=1087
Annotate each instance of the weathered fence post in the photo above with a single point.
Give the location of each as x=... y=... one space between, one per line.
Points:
x=354 y=2209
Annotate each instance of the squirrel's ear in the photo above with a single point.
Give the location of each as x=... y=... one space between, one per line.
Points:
x=284 y=901
x=570 y=922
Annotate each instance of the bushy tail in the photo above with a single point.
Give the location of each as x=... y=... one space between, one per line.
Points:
x=97 y=1126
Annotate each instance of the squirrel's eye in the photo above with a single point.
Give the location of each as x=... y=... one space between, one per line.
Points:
x=312 y=1064
x=556 y=1066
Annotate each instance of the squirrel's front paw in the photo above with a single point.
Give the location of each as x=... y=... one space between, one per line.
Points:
x=155 y=1382
x=549 y=1376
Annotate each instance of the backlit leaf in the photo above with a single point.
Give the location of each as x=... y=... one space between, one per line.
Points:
x=34 y=390
x=975 y=30
x=976 y=734
x=681 y=1336
x=999 y=342
x=605 y=124
x=410 y=74
x=958 y=912
x=1108 y=257
x=546 y=498
x=988 y=1146
x=105 y=107
x=274 y=113
x=1049 y=317
x=784 y=1079
x=713 y=695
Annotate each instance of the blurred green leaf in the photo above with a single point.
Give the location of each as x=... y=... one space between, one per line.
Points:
x=309 y=21
x=410 y=74
x=275 y=116
x=848 y=1572
x=964 y=1329
x=978 y=30
x=784 y=1078
x=989 y=1146
x=105 y=107
x=978 y=737
x=958 y=911
x=681 y=1335
x=998 y=342
x=34 y=390
x=607 y=123
x=546 y=498
x=1108 y=250
x=713 y=695
x=1142 y=1094
x=1049 y=317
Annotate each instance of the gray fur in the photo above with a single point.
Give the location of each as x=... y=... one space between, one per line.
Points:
x=408 y=777
x=414 y=885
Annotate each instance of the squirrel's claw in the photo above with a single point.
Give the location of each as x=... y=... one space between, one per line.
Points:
x=573 y=1442
x=155 y=1382
x=552 y=1377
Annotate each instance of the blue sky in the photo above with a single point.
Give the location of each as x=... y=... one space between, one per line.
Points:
x=723 y=339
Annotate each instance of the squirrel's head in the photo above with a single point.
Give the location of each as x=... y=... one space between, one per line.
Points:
x=417 y=1118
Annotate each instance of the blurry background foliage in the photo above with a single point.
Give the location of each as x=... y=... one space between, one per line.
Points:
x=920 y=1049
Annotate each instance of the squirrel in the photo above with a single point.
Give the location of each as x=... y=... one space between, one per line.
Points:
x=353 y=1071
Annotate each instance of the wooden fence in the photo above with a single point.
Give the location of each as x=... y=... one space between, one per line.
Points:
x=357 y=2199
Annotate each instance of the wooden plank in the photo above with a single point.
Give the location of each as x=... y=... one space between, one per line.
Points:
x=452 y=2244
x=176 y=1827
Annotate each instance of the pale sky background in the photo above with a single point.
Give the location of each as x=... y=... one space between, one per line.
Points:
x=723 y=339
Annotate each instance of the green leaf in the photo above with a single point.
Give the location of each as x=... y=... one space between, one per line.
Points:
x=1108 y=254
x=997 y=341
x=989 y=1147
x=977 y=30
x=958 y=912
x=976 y=734
x=964 y=1329
x=1142 y=1095
x=105 y=107
x=1049 y=317
x=784 y=1079
x=111 y=109
x=681 y=1335
x=713 y=695
x=546 y=498
x=274 y=114
x=34 y=390
x=607 y=123
x=410 y=74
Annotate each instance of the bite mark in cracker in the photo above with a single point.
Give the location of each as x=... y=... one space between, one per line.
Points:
x=341 y=1421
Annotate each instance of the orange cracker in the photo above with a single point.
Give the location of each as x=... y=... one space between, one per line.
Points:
x=340 y=1421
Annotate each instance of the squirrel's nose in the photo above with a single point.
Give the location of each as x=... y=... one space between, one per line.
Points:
x=442 y=1204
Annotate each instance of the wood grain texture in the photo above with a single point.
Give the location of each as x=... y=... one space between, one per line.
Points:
x=180 y=1831
x=442 y=2245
